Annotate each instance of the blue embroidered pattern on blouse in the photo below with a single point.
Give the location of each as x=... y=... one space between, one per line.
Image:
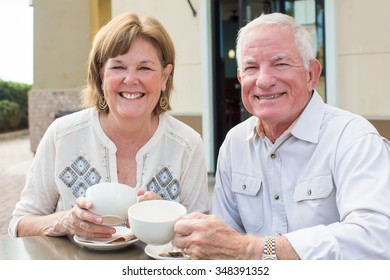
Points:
x=79 y=176
x=164 y=185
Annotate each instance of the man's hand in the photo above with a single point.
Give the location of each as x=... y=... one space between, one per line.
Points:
x=208 y=237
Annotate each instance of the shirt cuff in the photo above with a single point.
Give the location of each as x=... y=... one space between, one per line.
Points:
x=314 y=243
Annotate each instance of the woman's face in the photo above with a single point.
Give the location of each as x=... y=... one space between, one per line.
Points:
x=132 y=82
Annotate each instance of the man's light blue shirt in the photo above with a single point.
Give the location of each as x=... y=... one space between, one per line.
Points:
x=324 y=184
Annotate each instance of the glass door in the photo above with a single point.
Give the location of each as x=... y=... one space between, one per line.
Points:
x=228 y=17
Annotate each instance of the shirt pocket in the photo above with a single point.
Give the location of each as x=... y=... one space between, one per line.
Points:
x=249 y=198
x=316 y=189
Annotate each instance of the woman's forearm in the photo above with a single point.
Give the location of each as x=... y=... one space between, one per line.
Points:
x=51 y=225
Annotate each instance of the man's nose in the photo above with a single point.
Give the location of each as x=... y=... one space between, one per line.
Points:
x=265 y=78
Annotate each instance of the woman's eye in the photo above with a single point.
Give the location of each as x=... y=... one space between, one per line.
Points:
x=145 y=68
x=118 y=67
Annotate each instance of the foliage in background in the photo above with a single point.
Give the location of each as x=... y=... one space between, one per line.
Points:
x=13 y=105
x=10 y=115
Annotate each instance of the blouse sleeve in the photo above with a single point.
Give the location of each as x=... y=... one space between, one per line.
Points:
x=195 y=180
x=39 y=195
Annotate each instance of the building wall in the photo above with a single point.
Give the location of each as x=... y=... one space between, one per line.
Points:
x=63 y=31
x=363 y=59
x=43 y=105
x=61 y=43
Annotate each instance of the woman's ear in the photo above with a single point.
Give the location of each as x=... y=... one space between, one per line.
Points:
x=166 y=73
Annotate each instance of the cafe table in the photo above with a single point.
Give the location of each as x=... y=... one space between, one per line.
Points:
x=64 y=248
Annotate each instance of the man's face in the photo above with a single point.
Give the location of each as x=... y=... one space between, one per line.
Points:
x=275 y=85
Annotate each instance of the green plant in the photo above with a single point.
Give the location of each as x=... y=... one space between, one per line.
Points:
x=17 y=93
x=10 y=115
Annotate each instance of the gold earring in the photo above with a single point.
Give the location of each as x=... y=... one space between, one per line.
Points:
x=102 y=103
x=163 y=102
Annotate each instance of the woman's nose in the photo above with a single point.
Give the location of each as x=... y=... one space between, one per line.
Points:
x=130 y=77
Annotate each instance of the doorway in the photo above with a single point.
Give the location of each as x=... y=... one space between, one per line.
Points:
x=228 y=16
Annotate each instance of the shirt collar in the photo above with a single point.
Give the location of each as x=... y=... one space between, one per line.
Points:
x=252 y=128
x=306 y=127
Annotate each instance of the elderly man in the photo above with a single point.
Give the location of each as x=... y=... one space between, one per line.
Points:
x=299 y=179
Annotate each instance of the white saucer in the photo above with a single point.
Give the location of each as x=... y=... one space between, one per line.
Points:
x=103 y=246
x=155 y=251
x=106 y=244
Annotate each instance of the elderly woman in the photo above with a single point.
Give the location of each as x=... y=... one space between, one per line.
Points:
x=124 y=136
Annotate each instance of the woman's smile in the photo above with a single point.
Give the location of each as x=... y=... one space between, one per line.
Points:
x=131 y=96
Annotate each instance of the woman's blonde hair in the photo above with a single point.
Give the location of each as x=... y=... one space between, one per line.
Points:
x=115 y=38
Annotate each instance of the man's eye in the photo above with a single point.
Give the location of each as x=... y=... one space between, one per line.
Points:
x=282 y=66
x=250 y=69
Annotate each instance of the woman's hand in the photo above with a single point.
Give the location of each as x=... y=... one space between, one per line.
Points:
x=81 y=221
x=144 y=196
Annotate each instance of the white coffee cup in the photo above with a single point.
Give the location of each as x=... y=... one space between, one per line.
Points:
x=153 y=221
x=111 y=201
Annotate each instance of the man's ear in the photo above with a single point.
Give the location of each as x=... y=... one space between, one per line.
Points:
x=315 y=69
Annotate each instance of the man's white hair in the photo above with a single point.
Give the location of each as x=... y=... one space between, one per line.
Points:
x=302 y=36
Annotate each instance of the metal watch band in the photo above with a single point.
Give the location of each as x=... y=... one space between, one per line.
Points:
x=269 y=248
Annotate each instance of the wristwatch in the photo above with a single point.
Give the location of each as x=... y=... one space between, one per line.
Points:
x=269 y=248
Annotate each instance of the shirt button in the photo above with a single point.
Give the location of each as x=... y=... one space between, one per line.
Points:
x=276 y=197
x=273 y=156
x=309 y=192
x=244 y=187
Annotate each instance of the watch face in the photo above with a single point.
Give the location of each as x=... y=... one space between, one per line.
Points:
x=269 y=258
